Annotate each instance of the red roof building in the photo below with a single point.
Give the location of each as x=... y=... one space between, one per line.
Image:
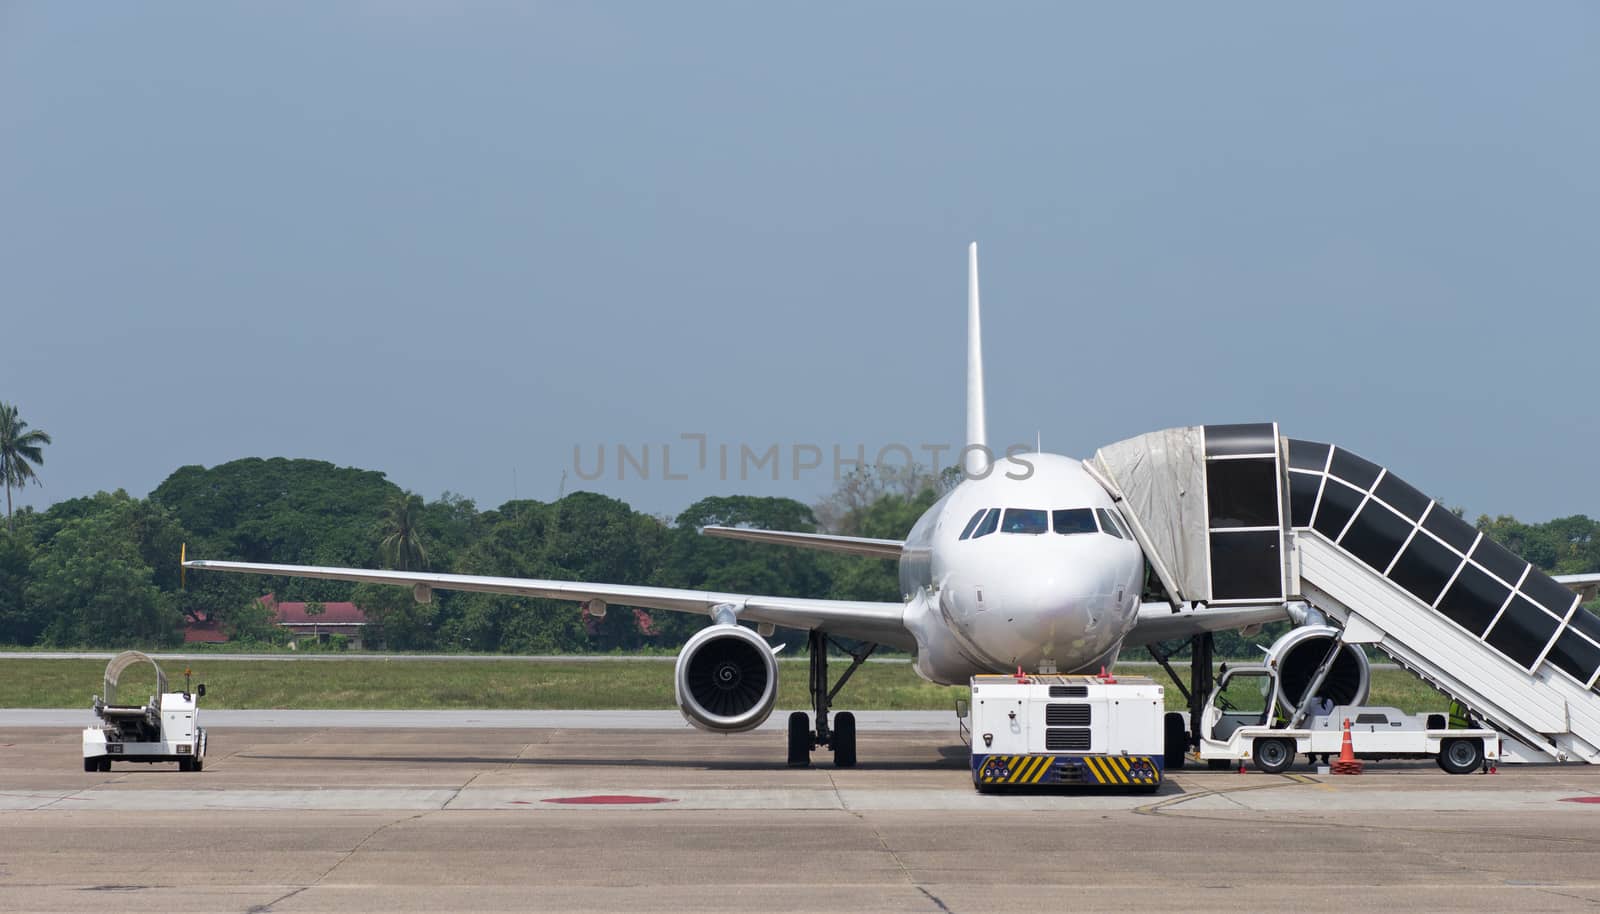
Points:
x=336 y=619
x=204 y=631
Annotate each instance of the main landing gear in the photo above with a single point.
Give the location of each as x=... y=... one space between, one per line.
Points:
x=841 y=738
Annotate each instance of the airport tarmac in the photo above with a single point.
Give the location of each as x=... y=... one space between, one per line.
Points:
x=602 y=818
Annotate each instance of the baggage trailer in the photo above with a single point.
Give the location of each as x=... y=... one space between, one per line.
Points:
x=164 y=729
x=1245 y=721
x=1049 y=730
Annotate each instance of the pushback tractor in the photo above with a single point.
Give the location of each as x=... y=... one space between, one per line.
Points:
x=1049 y=730
x=163 y=729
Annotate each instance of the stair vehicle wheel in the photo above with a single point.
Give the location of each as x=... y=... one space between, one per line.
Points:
x=1274 y=756
x=1176 y=740
x=105 y=763
x=844 y=740
x=198 y=764
x=185 y=764
x=91 y=764
x=1219 y=764
x=799 y=739
x=1461 y=756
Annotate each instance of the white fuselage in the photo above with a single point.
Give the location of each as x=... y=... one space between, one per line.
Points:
x=1005 y=599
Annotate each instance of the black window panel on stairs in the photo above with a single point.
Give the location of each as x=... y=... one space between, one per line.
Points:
x=1586 y=622
x=1376 y=536
x=1500 y=561
x=1402 y=496
x=1522 y=631
x=1308 y=455
x=1576 y=656
x=1251 y=438
x=1358 y=471
x=1242 y=493
x=1453 y=530
x=1246 y=566
x=1424 y=568
x=1473 y=600
x=1338 y=503
x=1547 y=592
x=1303 y=488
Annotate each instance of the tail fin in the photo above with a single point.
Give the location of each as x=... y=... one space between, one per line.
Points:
x=975 y=457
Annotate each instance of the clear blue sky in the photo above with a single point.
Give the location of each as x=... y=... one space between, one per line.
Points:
x=451 y=241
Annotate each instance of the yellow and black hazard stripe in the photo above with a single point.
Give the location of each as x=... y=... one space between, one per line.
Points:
x=1113 y=770
x=1013 y=769
x=1104 y=770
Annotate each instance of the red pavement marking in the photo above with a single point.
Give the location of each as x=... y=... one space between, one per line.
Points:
x=607 y=799
x=1581 y=800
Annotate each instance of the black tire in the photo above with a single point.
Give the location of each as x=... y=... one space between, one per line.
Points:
x=844 y=740
x=1219 y=764
x=198 y=764
x=91 y=764
x=799 y=740
x=105 y=763
x=1177 y=740
x=1273 y=756
x=185 y=764
x=1461 y=756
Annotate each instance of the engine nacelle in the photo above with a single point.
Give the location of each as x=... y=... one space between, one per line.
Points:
x=726 y=679
x=1301 y=650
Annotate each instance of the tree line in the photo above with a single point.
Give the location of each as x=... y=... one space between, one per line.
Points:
x=102 y=570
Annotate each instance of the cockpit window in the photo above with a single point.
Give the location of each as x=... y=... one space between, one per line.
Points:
x=973 y=524
x=1109 y=524
x=990 y=522
x=1074 y=520
x=1025 y=520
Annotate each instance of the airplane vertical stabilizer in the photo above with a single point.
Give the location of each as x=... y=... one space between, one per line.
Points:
x=975 y=458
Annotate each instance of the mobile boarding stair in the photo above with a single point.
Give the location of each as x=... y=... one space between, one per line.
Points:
x=1236 y=515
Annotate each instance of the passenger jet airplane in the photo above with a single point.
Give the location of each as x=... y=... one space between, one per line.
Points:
x=1025 y=563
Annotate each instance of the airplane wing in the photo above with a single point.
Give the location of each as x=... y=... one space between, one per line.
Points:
x=879 y=622
x=1157 y=621
x=1587 y=585
x=853 y=545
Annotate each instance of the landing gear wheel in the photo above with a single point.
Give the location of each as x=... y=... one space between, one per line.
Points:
x=799 y=740
x=1176 y=741
x=1460 y=756
x=1274 y=756
x=844 y=740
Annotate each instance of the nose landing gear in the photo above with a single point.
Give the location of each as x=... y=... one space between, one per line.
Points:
x=841 y=737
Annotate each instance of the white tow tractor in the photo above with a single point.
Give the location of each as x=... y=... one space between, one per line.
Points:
x=1245 y=720
x=1048 y=730
x=164 y=729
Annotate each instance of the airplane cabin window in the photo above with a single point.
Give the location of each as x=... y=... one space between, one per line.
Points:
x=1074 y=520
x=1109 y=524
x=1025 y=520
x=990 y=522
x=973 y=524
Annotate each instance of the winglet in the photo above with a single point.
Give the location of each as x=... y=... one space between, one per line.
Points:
x=975 y=456
x=183 y=568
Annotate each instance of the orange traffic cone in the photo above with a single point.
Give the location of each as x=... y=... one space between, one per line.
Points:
x=1347 y=763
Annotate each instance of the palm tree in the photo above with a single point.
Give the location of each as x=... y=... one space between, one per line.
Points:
x=402 y=546
x=19 y=453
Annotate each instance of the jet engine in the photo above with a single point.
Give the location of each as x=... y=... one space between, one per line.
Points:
x=1301 y=650
x=726 y=679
